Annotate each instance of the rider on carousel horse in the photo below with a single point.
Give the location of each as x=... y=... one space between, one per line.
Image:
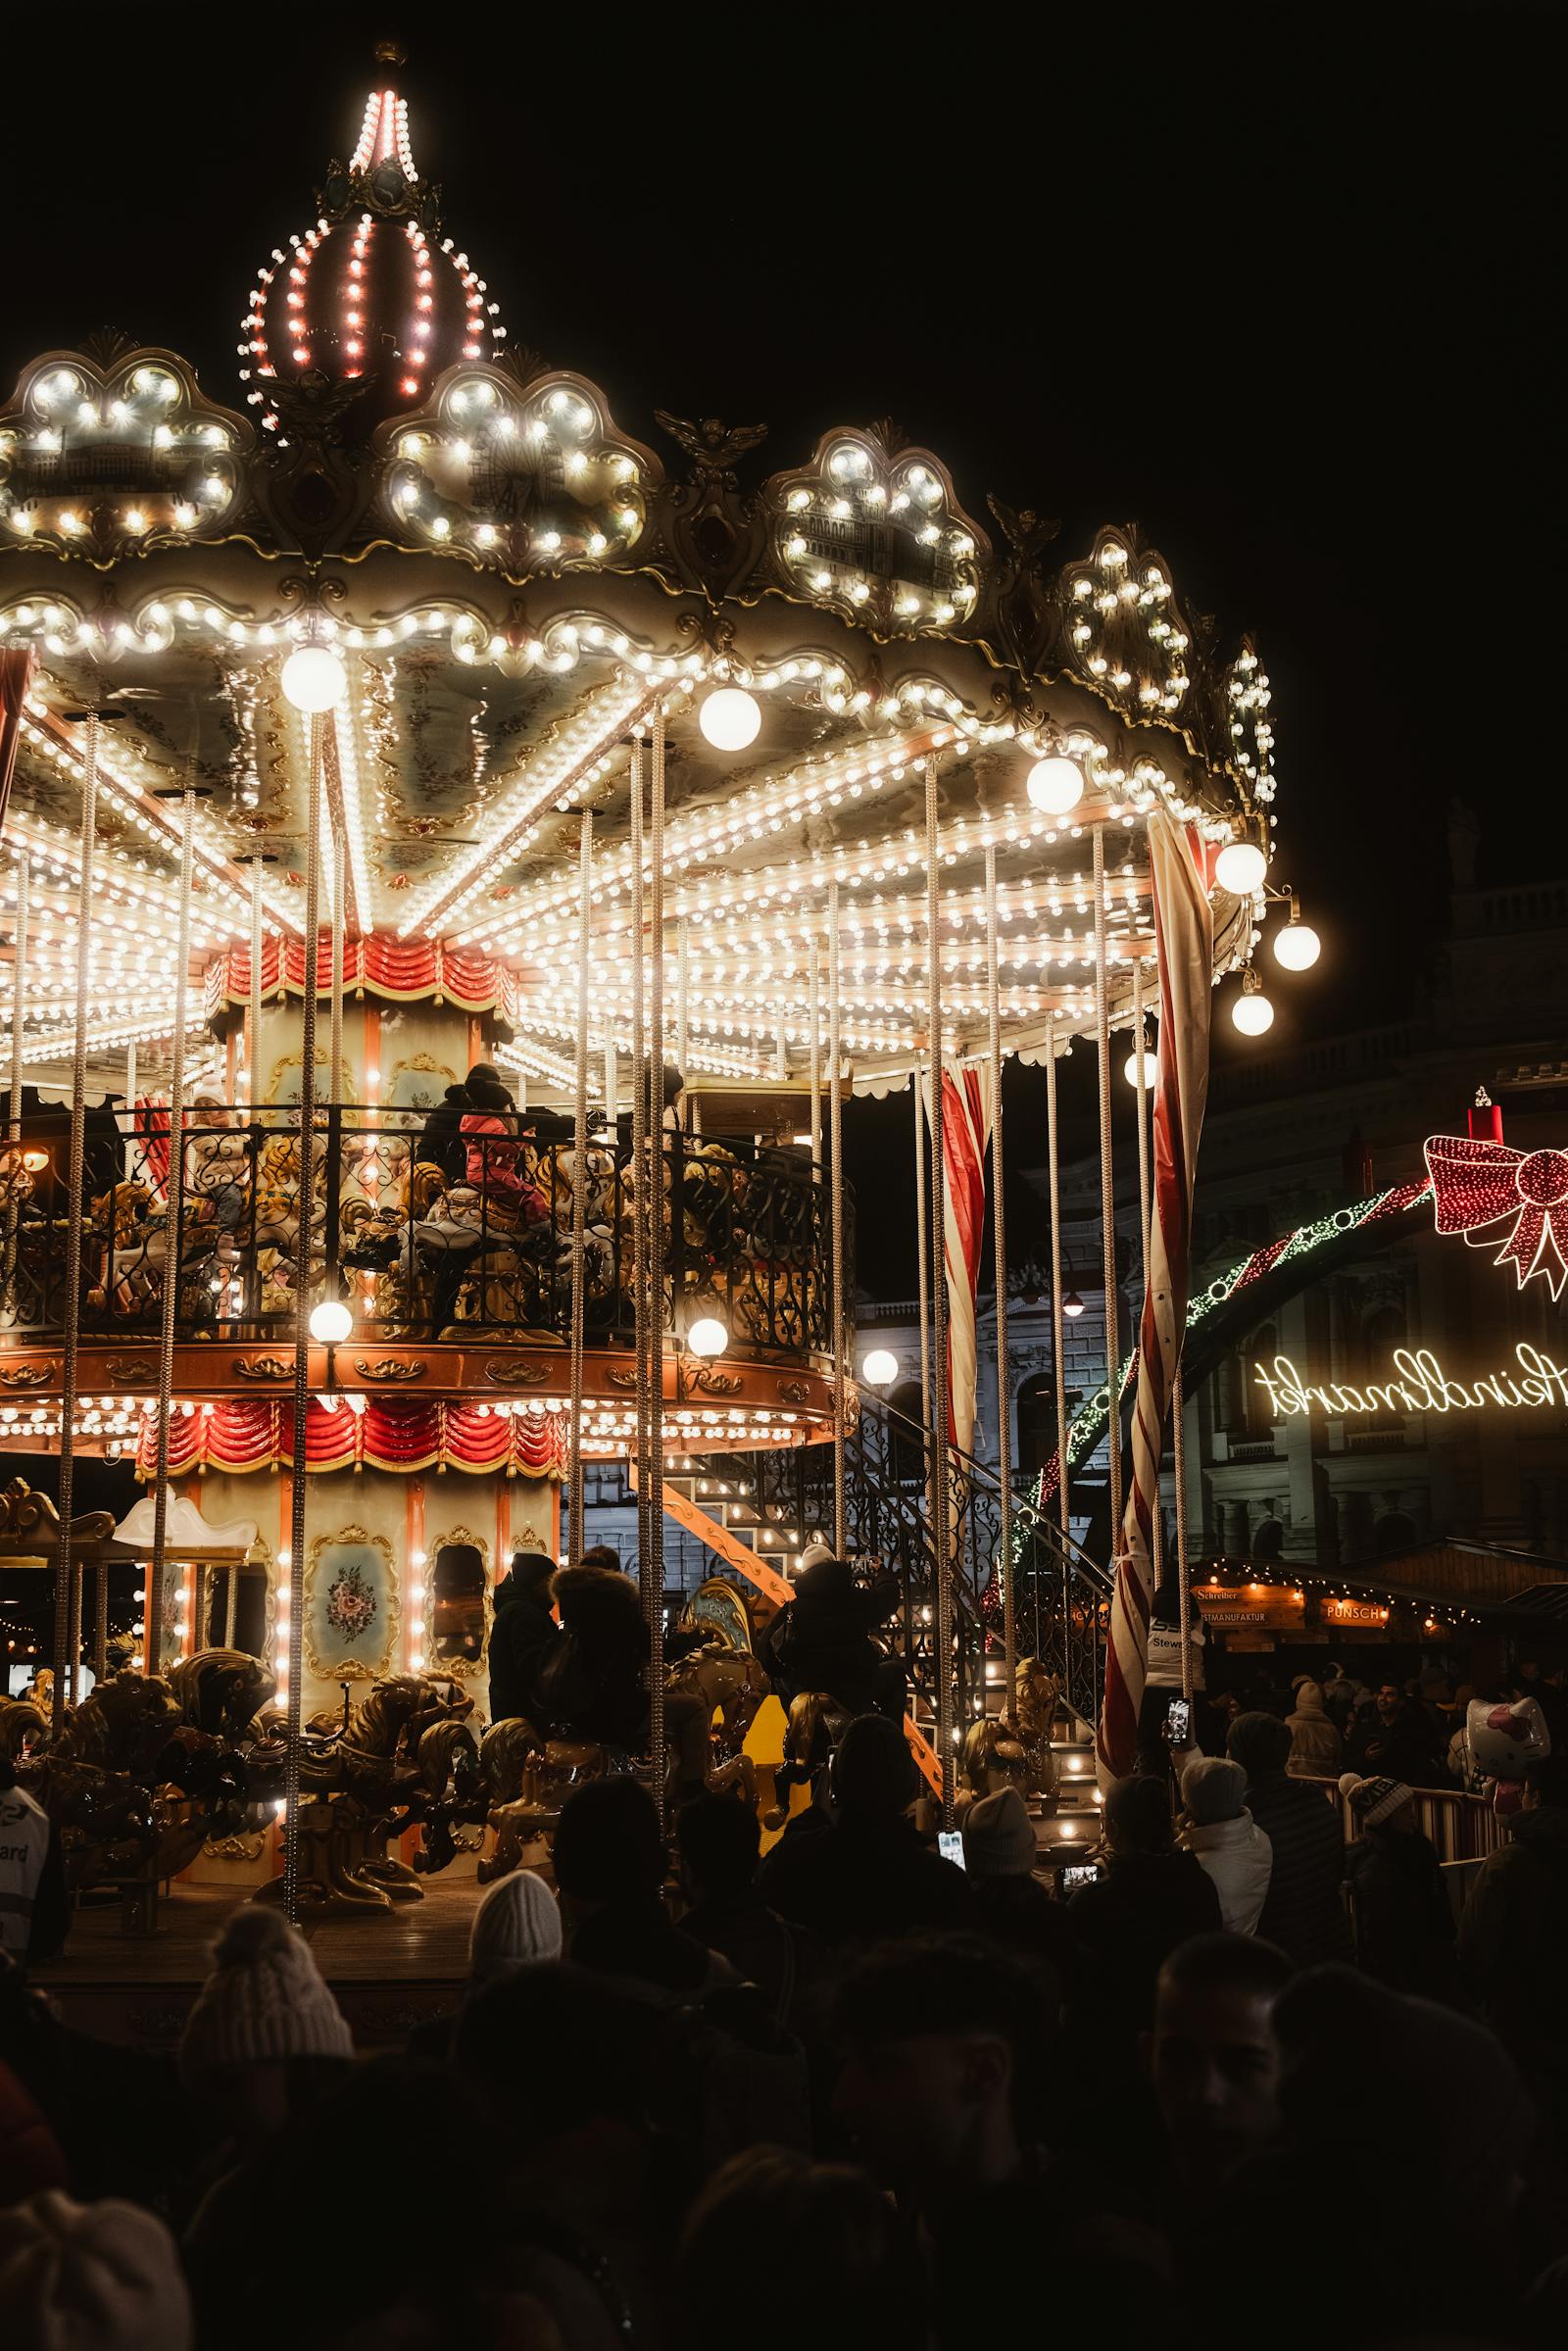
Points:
x=592 y=1681
x=821 y=1640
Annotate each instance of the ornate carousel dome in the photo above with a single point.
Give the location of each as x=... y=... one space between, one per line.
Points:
x=371 y=295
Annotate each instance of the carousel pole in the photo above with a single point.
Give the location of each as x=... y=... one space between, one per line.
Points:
x=683 y=985
x=67 y=1574
x=938 y=1425
x=253 y=1033
x=579 y=1181
x=1184 y=1569
x=298 y=1468
x=923 y=1245
x=19 y=1011
x=639 y=1171
x=835 y=1124
x=1057 y=1340
x=815 y=1017
x=1107 y=1191
x=656 y=1262
x=1156 y=1527
x=174 y=1196
x=339 y=841
x=999 y=1231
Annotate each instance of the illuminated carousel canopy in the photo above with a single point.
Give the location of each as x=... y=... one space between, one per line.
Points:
x=514 y=584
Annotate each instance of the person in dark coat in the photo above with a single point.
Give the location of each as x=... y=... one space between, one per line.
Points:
x=866 y=1874
x=440 y=1143
x=719 y=1841
x=594 y=1680
x=1405 y=1931
x=822 y=1638
x=522 y=1633
x=1304 y=1912
x=1151 y=1896
x=1514 y=1931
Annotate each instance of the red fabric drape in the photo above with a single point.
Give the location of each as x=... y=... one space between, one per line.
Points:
x=402 y=971
x=150 y=1136
x=16 y=670
x=398 y=1434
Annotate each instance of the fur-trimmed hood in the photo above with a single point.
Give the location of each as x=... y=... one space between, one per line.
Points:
x=600 y=1603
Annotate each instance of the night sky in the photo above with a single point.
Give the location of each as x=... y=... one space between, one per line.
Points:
x=1275 y=284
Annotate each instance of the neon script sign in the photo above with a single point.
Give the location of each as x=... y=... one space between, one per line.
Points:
x=1538 y=1384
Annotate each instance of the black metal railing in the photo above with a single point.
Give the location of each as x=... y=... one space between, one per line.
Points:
x=1060 y=1597
x=474 y=1243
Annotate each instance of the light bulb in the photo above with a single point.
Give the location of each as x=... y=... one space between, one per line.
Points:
x=1297 y=946
x=707 y=1336
x=1253 y=1013
x=1056 y=785
x=314 y=678
x=730 y=718
x=330 y=1321
x=1072 y=1306
x=879 y=1367
x=1240 y=867
x=1150 y=1067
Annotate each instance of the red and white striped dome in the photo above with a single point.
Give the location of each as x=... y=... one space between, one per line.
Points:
x=373 y=289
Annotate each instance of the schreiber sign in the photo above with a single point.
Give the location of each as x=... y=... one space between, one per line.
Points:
x=1537 y=1384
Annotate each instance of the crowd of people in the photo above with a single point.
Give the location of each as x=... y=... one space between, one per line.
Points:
x=846 y=2092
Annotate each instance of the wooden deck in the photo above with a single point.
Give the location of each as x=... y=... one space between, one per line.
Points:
x=390 y=1970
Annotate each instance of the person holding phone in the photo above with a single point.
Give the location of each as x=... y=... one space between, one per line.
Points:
x=1162 y=1733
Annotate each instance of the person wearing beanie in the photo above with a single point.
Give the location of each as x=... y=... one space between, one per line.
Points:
x=1303 y=1910
x=1012 y=1907
x=516 y=1925
x=522 y=1631
x=91 y=2277
x=1231 y=1848
x=1316 y=1748
x=265 y=2033
x=1401 y=1916
x=867 y=1874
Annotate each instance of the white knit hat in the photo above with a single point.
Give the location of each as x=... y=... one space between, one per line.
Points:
x=516 y=1925
x=1375 y=1801
x=266 y=1997
x=91 y=2277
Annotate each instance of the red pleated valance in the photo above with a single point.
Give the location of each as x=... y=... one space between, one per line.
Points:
x=403 y=1434
x=402 y=971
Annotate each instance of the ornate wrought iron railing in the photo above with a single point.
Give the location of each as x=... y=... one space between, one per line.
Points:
x=1060 y=1597
x=475 y=1244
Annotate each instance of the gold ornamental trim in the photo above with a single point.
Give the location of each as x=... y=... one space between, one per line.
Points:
x=793 y=1392
x=391 y=1367
x=131 y=1371
x=27 y=1375
x=502 y=1374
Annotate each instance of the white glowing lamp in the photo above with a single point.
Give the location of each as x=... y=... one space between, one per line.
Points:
x=708 y=1336
x=1251 y=1012
x=314 y=678
x=1055 y=784
x=1240 y=867
x=1150 y=1062
x=730 y=718
x=330 y=1321
x=1296 y=945
x=879 y=1367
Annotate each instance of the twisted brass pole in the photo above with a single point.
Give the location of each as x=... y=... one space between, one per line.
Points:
x=938 y=1308
x=68 y=1587
x=835 y=1124
x=656 y=1262
x=998 y=1232
x=580 y=1182
x=294 y=1751
x=174 y=1193
x=1107 y=1192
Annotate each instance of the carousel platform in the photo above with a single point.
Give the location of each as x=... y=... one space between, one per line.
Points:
x=390 y=1970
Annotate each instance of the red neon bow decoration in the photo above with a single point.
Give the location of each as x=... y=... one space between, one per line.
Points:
x=1476 y=1185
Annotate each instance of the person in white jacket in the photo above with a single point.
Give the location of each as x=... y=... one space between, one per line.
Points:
x=1226 y=1840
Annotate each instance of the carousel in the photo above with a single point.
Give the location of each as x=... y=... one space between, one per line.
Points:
x=462 y=864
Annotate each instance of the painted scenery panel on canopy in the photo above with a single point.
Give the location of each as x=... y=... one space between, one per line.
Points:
x=350 y=1609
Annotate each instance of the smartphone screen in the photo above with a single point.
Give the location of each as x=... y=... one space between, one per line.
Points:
x=1082 y=1873
x=949 y=1844
x=1177 y=1719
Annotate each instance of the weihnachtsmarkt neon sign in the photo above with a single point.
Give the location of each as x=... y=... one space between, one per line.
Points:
x=1535 y=1384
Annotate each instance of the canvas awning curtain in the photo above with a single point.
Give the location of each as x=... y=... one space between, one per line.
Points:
x=402 y=1434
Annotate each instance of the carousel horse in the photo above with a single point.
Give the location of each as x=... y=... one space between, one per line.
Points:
x=221 y=1689
x=814 y=1726
x=133 y=1789
x=24 y=1728
x=365 y=1781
